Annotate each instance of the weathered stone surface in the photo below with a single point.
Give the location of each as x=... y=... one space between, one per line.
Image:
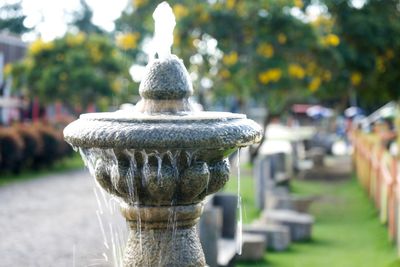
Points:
x=300 y=224
x=277 y=236
x=166 y=247
x=254 y=246
x=165 y=80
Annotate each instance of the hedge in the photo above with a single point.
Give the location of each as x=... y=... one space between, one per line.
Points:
x=33 y=146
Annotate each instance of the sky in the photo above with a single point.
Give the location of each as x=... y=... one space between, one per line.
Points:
x=51 y=16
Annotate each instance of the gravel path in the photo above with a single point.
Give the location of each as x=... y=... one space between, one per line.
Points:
x=55 y=221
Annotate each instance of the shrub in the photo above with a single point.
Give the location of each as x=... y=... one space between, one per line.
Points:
x=33 y=144
x=11 y=149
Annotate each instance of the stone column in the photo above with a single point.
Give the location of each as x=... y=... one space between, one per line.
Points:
x=163 y=236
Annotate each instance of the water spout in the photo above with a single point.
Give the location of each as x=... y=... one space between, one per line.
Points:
x=164 y=24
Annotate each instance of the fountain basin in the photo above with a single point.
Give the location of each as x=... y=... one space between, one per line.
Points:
x=205 y=130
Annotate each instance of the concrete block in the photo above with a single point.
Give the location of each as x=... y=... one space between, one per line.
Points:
x=277 y=236
x=254 y=246
x=300 y=224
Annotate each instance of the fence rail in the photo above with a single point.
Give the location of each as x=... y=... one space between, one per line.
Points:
x=378 y=172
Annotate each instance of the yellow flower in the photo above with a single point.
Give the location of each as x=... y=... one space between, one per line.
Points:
x=38 y=46
x=230 y=59
x=139 y=3
x=331 y=40
x=7 y=69
x=204 y=16
x=327 y=76
x=311 y=67
x=230 y=4
x=95 y=54
x=241 y=8
x=180 y=11
x=282 y=38
x=75 y=40
x=356 y=78
x=225 y=74
x=380 y=64
x=389 y=54
x=29 y=63
x=296 y=71
x=271 y=75
x=298 y=3
x=177 y=38
x=314 y=84
x=265 y=50
x=116 y=86
x=63 y=76
x=128 y=40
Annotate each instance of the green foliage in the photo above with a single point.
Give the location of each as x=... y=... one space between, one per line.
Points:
x=78 y=69
x=12 y=19
x=370 y=48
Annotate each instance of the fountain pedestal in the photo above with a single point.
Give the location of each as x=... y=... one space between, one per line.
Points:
x=165 y=236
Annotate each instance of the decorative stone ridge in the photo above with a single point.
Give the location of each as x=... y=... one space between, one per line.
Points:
x=154 y=178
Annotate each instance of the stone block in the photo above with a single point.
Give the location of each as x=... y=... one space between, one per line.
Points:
x=263 y=179
x=277 y=236
x=209 y=231
x=226 y=251
x=254 y=246
x=300 y=224
x=290 y=202
x=228 y=203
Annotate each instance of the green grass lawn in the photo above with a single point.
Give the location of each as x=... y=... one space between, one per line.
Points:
x=74 y=162
x=347 y=232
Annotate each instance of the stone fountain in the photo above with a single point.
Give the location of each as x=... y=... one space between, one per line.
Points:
x=161 y=161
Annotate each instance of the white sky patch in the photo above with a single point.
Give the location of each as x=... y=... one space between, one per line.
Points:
x=314 y=11
x=137 y=72
x=51 y=16
x=105 y=12
x=358 y=3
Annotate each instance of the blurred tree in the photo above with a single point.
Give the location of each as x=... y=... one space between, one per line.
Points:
x=368 y=56
x=82 y=20
x=77 y=69
x=247 y=49
x=12 y=19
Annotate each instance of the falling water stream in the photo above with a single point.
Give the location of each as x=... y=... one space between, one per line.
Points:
x=239 y=234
